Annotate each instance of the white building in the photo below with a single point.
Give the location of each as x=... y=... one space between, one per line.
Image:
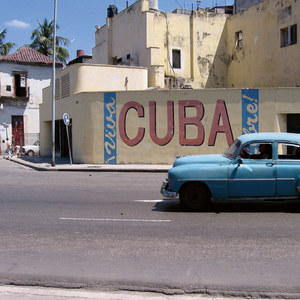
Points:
x=23 y=75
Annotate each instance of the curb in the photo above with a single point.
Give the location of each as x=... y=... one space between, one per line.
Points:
x=93 y=168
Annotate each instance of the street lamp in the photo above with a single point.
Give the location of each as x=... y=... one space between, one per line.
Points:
x=53 y=87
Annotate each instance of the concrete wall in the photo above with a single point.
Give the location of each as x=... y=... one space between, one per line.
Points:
x=150 y=36
x=123 y=34
x=79 y=78
x=37 y=79
x=156 y=126
x=262 y=62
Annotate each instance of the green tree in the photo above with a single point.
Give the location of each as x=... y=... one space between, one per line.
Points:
x=43 y=41
x=4 y=47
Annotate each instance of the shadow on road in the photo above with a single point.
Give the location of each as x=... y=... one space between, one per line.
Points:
x=173 y=205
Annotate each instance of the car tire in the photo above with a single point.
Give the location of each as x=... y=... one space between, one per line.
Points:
x=30 y=153
x=195 y=196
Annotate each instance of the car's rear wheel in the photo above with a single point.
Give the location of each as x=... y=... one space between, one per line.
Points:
x=194 y=196
x=30 y=153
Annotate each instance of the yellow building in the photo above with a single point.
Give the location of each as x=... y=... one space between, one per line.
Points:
x=256 y=47
x=262 y=45
x=243 y=69
x=181 y=48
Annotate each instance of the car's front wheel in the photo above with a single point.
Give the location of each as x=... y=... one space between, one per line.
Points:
x=30 y=153
x=194 y=196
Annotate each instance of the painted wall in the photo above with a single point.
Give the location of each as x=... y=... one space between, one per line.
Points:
x=262 y=62
x=122 y=35
x=199 y=37
x=156 y=126
x=150 y=36
x=37 y=79
x=210 y=57
x=79 y=78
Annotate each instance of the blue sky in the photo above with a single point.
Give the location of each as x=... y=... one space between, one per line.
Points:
x=76 y=18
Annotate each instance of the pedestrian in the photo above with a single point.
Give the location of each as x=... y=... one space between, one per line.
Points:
x=8 y=148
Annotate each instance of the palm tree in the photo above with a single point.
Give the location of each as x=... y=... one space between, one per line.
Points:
x=43 y=41
x=4 y=47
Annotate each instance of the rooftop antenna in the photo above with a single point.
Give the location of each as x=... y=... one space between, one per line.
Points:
x=126 y=3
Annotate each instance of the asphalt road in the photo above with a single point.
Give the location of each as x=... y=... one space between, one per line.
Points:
x=111 y=231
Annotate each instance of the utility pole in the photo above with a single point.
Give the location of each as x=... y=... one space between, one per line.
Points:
x=53 y=87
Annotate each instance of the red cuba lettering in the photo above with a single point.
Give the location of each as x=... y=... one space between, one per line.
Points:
x=184 y=121
x=170 y=122
x=220 y=113
x=122 y=123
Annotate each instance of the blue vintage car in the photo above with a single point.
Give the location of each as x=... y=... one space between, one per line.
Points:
x=256 y=166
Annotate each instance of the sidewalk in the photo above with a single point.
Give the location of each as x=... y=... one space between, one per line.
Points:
x=8 y=292
x=63 y=164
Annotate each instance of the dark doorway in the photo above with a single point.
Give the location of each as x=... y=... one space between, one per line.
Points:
x=61 y=140
x=20 y=85
x=293 y=123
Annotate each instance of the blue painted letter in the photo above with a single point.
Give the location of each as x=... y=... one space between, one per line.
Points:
x=110 y=128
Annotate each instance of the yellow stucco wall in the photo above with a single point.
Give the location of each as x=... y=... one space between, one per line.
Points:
x=199 y=37
x=123 y=34
x=90 y=78
x=150 y=36
x=262 y=62
x=209 y=56
x=87 y=111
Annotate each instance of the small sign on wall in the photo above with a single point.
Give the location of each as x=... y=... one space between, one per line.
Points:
x=250 y=111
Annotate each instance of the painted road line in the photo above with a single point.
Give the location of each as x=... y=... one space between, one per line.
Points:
x=114 y=220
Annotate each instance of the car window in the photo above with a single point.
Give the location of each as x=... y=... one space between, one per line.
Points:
x=232 y=149
x=257 y=151
x=288 y=151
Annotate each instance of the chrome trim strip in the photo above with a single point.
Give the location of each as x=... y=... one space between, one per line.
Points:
x=211 y=180
x=232 y=199
x=256 y=179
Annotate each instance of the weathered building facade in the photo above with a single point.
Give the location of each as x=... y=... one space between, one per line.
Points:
x=262 y=45
x=23 y=75
x=181 y=48
x=256 y=47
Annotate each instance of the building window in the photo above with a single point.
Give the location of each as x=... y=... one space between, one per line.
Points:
x=20 y=84
x=176 y=58
x=288 y=35
x=239 y=39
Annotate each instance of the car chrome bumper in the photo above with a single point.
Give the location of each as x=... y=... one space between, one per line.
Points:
x=165 y=192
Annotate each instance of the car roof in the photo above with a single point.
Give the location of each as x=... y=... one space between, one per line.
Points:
x=270 y=136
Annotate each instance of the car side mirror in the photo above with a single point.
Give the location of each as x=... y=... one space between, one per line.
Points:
x=239 y=161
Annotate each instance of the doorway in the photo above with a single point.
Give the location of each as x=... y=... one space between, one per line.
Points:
x=61 y=140
x=17 y=131
x=293 y=123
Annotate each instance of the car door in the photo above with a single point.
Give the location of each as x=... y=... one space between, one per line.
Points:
x=253 y=176
x=288 y=169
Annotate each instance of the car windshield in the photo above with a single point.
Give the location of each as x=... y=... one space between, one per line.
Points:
x=232 y=149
